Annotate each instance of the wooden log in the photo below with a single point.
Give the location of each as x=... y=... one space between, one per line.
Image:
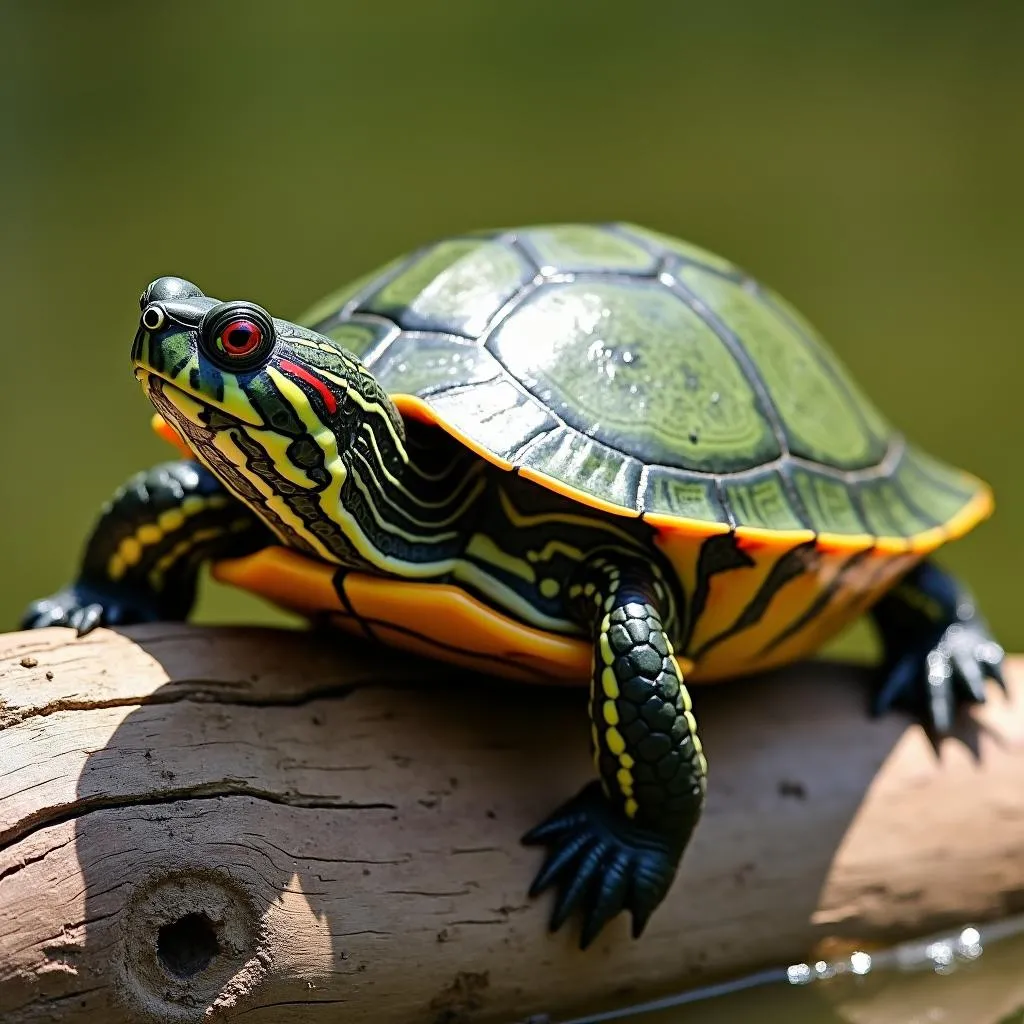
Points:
x=268 y=825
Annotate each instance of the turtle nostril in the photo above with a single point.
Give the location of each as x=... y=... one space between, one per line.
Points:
x=153 y=318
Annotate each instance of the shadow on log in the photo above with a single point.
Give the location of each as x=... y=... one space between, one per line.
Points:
x=267 y=824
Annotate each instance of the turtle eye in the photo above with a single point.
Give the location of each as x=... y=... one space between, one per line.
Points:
x=238 y=336
x=153 y=317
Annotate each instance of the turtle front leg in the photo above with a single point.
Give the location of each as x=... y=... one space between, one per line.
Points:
x=143 y=557
x=938 y=648
x=616 y=845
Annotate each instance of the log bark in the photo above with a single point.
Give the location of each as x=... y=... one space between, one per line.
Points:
x=273 y=826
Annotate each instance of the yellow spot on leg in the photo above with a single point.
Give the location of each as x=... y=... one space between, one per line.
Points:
x=611 y=712
x=684 y=693
x=609 y=684
x=149 y=534
x=171 y=520
x=130 y=550
x=631 y=807
x=625 y=781
x=691 y=724
x=616 y=744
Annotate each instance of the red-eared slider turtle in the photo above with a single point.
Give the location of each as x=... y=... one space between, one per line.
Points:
x=587 y=453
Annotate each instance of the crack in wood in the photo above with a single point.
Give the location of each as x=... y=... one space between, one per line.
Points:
x=210 y=791
x=197 y=691
x=13 y=869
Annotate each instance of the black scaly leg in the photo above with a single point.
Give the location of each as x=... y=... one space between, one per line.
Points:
x=143 y=556
x=938 y=648
x=616 y=845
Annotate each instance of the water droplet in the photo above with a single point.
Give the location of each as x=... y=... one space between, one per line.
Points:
x=627 y=357
x=969 y=946
x=715 y=398
x=798 y=974
x=941 y=955
x=860 y=962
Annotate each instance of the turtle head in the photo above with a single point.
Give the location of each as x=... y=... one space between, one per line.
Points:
x=251 y=395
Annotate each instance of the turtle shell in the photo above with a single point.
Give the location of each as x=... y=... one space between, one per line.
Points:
x=642 y=375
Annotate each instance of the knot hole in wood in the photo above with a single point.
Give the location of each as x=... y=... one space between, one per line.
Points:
x=191 y=941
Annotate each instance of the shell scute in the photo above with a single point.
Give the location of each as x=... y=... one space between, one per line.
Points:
x=453 y=288
x=760 y=500
x=667 y=492
x=633 y=365
x=583 y=248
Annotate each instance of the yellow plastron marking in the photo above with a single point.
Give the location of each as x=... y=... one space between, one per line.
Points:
x=433 y=619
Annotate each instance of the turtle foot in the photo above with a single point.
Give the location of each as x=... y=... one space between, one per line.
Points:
x=939 y=650
x=601 y=863
x=932 y=680
x=84 y=606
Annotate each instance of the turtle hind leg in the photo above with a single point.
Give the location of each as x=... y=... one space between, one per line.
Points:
x=616 y=845
x=938 y=648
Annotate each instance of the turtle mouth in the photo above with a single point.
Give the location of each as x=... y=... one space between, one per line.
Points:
x=163 y=392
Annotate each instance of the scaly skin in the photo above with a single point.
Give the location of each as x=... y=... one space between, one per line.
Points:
x=616 y=845
x=144 y=554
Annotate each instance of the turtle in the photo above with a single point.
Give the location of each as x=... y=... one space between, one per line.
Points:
x=577 y=453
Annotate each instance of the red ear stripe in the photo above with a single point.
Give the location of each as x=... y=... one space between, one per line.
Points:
x=314 y=382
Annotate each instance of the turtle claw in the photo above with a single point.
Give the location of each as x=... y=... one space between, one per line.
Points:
x=600 y=864
x=939 y=651
x=84 y=606
x=933 y=679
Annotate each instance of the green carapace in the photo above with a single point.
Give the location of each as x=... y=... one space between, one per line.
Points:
x=594 y=454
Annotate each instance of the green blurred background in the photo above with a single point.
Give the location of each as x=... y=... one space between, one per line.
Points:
x=866 y=159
